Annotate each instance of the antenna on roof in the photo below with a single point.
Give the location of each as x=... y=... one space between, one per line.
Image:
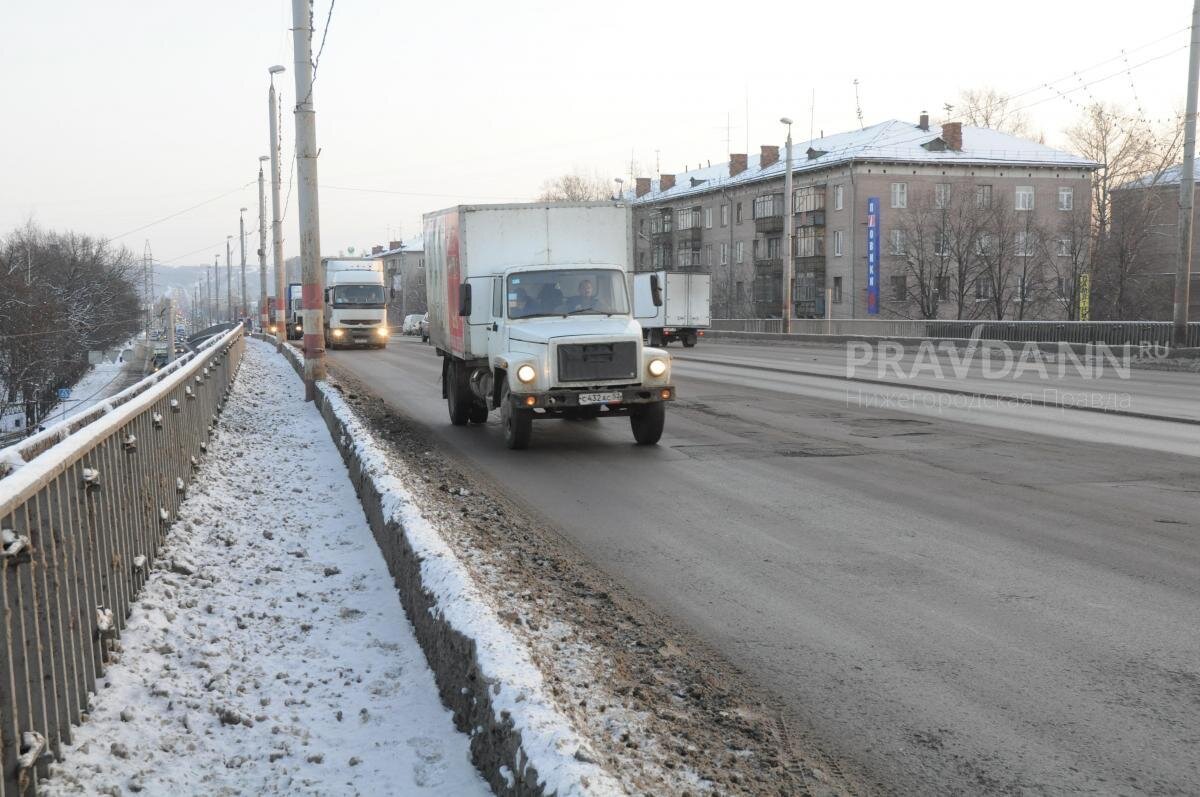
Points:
x=812 y=114
x=858 y=105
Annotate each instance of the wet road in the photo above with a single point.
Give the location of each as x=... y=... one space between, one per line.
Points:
x=989 y=597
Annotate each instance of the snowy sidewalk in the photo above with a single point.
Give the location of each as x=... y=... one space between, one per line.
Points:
x=269 y=653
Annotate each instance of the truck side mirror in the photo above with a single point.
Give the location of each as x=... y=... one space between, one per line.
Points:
x=464 y=299
x=655 y=290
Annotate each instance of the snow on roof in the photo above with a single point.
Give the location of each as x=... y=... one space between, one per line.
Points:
x=414 y=244
x=1167 y=177
x=892 y=141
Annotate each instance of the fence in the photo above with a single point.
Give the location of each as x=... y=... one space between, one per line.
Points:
x=82 y=514
x=1111 y=332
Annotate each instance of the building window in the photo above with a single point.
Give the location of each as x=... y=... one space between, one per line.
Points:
x=941 y=243
x=1024 y=244
x=837 y=243
x=642 y=226
x=756 y=248
x=1024 y=198
x=810 y=242
x=899 y=195
x=943 y=288
x=724 y=254
x=1066 y=198
x=666 y=220
x=688 y=218
x=708 y=218
x=773 y=248
x=739 y=250
x=739 y=213
x=983 y=196
x=1022 y=289
x=896 y=239
x=941 y=195
x=837 y=197
x=1063 y=247
x=900 y=288
x=725 y=215
x=837 y=290
x=806 y=199
x=740 y=291
x=983 y=289
x=985 y=244
x=1064 y=285
x=708 y=255
x=768 y=205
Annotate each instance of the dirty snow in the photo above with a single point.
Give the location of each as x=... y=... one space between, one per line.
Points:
x=269 y=653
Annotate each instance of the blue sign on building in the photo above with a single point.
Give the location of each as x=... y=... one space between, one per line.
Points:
x=64 y=393
x=873 y=255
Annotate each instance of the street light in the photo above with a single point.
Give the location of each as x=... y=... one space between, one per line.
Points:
x=788 y=233
x=619 y=183
x=276 y=222
x=242 y=234
x=263 y=321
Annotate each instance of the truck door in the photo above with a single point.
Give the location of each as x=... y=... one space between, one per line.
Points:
x=480 y=319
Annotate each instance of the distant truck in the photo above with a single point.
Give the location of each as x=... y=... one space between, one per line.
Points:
x=529 y=309
x=686 y=309
x=294 y=311
x=355 y=302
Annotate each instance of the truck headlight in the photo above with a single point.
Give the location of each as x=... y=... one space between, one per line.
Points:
x=381 y=332
x=526 y=373
x=337 y=333
x=657 y=367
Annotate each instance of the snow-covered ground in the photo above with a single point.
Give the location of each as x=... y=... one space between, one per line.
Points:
x=101 y=381
x=269 y=653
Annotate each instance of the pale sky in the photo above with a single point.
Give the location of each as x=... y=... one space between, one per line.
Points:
x=119 y=113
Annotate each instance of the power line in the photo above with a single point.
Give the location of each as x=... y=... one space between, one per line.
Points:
x=181 y=212
x=414 y=193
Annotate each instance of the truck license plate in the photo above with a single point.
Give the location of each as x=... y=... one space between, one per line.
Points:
x=598 y=398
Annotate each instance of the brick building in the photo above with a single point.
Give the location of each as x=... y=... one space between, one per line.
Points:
x=728 y=219
x=404 y=273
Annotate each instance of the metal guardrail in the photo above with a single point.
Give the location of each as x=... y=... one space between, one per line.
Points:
x=81 y=520
x=1134 y=333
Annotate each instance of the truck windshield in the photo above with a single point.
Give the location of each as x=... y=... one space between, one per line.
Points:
x=358 y=296
x=567 y=291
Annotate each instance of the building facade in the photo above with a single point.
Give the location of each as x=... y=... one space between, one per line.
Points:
x=404 y=273
x=970 y=222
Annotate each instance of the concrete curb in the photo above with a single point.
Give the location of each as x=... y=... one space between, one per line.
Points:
x=497 y=747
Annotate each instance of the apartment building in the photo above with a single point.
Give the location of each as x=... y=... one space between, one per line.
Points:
x=404 y=273
x=728 y=220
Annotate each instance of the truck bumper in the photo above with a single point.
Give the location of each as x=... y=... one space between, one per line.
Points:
x=554 y=401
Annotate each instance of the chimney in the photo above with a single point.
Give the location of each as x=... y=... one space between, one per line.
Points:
x=642 y=186
x=737 y=164
x=952 y=135
x=769 y=156
x=924 y=123
x=666 y=182
x=376 y=249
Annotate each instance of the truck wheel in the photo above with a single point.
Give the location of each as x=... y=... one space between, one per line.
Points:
x=458 y=396
x=689 y=341
x=478 y=413
x=647 y=422
x=517 y=423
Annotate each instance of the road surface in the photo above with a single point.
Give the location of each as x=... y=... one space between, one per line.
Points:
x=993 y=597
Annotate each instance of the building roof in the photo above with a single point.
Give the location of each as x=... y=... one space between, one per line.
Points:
x=414 y=244
x=1167 y=177
x=892 y=141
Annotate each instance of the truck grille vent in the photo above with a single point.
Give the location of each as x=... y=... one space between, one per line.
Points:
x=362 y=321
x=581 y=362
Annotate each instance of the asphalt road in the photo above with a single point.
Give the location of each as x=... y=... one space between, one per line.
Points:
x=951 y=599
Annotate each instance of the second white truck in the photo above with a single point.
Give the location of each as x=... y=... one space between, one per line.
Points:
x=685 y=311
x=529 y=309
x=355 y=303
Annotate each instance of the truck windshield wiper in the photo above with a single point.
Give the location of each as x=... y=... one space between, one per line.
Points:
x=578 y=310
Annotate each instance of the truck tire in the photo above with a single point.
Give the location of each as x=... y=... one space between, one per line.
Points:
x=458 y=394
x=517 y=423
x=647 y=422
x=478 y=413
x=689 y=340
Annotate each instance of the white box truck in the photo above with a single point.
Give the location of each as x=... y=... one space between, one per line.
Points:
x=294 y=311
x=529 y=309
x=355 y=302
x=685 y=311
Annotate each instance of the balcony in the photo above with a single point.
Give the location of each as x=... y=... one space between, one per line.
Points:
x=768 y=264
x=810 y=218
x=768 y=224
x=690 y=237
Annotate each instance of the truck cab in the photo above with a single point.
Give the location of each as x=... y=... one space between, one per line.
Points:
x=355 y=303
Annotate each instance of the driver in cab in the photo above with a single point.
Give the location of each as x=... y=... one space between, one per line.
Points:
x=586 y=299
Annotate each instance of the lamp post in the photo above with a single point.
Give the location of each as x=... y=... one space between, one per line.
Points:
x=228 y=278
x=243 y=306
x=620 y=183
x=263 y=320
x=788 y=233
x=281 y=299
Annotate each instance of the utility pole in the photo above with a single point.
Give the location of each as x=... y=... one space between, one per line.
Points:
x=281 y=299
x=788 y=232
x=310 y=231
x=229 y=278
x=243 y=304
x=1187 y=179
x=263 y=320
x=216 y=297
x=171 y=326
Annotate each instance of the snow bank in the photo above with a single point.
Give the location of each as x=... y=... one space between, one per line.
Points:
x=549 y=755
x=269 y=653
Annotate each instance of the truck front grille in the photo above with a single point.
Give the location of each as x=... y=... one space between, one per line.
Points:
x=583 y=362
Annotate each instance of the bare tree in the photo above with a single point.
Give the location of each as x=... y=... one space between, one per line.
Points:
x=576 y=188
x=920 y=239
x=987 y=107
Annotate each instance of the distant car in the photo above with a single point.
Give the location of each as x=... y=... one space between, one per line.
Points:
x=423 y=328
x=411 y=325
x=160 y=359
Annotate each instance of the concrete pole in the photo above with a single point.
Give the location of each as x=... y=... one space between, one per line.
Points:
x=788 y=232
x=263 y=320
x=1183 y=272
x=171 y=328
x=216 y=303
x=243 y=305
x=310 y=225
x=276 y=221
x=229 y=277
